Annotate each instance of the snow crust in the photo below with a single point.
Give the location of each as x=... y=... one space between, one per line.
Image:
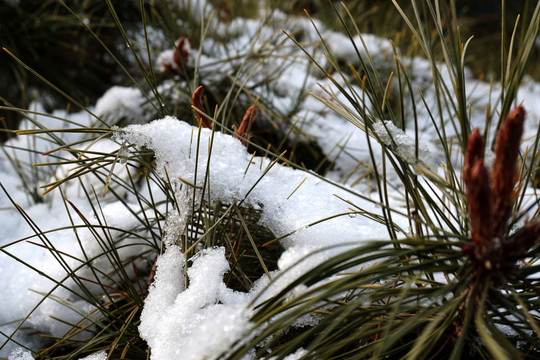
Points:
x=176 y=320
x=207 y=307
x=20 y=354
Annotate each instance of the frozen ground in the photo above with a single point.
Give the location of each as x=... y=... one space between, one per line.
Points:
x=179 y=321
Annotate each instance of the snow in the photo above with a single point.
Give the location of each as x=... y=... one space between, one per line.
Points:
x=405 y=145
x=226 y=162
x=120 y=103
x=102 y=355
x=341 y=47
x=205 y=312
x=20 y=354
x=296 y=356
x=189 y=312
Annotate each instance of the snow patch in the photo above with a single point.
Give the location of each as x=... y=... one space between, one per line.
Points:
x=199 y=321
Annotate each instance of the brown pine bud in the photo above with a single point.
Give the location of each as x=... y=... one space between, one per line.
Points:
x=475 y=151
x=169 y=69
x=196 y=102
x=505 y=168
x=181 y=53
x=245 y=125
x=479 y=203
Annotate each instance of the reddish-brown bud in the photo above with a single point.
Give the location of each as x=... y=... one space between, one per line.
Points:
x=490 y=198
x=245 y=125
x=505 y=167
x=475 y=151
x=479 y=203
x=169 y=69
x=196 y=102
x=182 y=51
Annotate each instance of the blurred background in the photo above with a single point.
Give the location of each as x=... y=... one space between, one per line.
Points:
x=55 y=43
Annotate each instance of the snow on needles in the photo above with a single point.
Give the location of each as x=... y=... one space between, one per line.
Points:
x=207 y=318
x=404 y=145
x=226 y=160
